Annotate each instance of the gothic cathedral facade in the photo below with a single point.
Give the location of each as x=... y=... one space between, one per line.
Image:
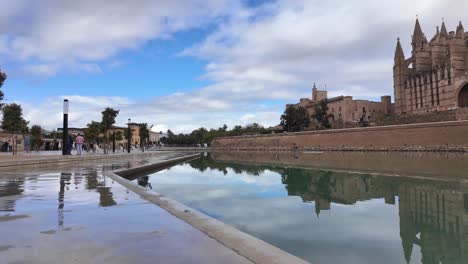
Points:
x=435 y=77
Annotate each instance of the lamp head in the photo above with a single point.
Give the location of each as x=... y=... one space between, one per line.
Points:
x=65 y=106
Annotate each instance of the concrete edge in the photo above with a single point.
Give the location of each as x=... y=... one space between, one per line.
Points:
x=252 y=248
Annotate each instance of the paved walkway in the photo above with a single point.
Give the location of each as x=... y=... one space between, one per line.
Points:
x=74 y=214
x=36 y=154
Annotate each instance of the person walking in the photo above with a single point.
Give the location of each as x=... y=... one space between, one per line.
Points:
x=27 y=143
x=70 y=145
x=79 y=140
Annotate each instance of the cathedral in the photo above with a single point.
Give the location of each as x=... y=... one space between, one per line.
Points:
x=435 y=77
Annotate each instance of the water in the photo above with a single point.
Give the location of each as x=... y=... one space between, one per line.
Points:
x=336 y=215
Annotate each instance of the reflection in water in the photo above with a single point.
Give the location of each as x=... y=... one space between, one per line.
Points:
x=10 y=187
x=64 y=180
x=435 y=219
x=144 y=181
x=93 y=183
x=433 y=214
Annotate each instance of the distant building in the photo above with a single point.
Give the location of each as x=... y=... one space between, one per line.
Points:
x=344 y=111
x=155 y=137
x=74 y=131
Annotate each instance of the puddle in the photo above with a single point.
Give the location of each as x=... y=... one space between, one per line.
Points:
x=12 y=217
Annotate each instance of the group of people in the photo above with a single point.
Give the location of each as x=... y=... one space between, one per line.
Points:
x=79 y=141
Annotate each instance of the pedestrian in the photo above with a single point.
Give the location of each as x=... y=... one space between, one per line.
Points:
x=70 y=144
x=7 y=146
x=79 y=140
x=27 y=143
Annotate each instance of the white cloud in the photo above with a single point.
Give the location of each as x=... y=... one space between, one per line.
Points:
x=64 y=33
x=163 y=114
x=287 y=45
x=271 y=52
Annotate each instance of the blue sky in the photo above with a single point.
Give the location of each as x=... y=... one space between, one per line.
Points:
x=185 y=64
x=155 y=68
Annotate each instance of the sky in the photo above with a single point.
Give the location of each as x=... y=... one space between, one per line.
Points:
x=184 y=64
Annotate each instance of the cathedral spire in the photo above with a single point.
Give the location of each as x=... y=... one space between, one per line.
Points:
x=460 y=31
x=399 y=54
x=443 y=30
x=417 y=30
x=418 y=36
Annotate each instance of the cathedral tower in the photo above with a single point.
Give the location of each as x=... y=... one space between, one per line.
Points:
x=400 y=75
x=421 y=53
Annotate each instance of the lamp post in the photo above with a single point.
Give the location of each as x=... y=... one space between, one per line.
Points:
x=113 y=142
x=129 y=135
x=65 y=128
x=149 y=135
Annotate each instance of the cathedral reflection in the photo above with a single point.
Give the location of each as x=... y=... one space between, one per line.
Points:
x=433 y=213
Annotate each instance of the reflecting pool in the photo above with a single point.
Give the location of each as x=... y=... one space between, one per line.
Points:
x=331 y=215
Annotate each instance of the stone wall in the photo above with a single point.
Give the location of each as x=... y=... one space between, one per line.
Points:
x=441 y=136
x=416 y=119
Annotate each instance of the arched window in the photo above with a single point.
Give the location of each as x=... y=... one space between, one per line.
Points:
x=463 y=96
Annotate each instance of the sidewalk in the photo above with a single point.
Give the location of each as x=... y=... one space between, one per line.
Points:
x=47 y=158
x=59 y=153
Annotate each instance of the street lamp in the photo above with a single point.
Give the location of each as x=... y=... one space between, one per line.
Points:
x=129 y=135
x=65 y=128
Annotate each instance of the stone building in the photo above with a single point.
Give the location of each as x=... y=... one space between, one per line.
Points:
x=73 y=131
x=154 y=137
x=344 y=111
x=435 y=77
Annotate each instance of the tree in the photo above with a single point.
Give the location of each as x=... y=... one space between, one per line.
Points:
x=295 y=119
x=3 y=77
x=108 y=119
x=144 y=135
x=36 y=137
x=119 y=136
x=200 y=135
x=236 y=131
x=92 y=131
x=13 y=120
x=321 y=114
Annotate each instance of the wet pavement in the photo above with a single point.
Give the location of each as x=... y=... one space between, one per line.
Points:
x=75 y=214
